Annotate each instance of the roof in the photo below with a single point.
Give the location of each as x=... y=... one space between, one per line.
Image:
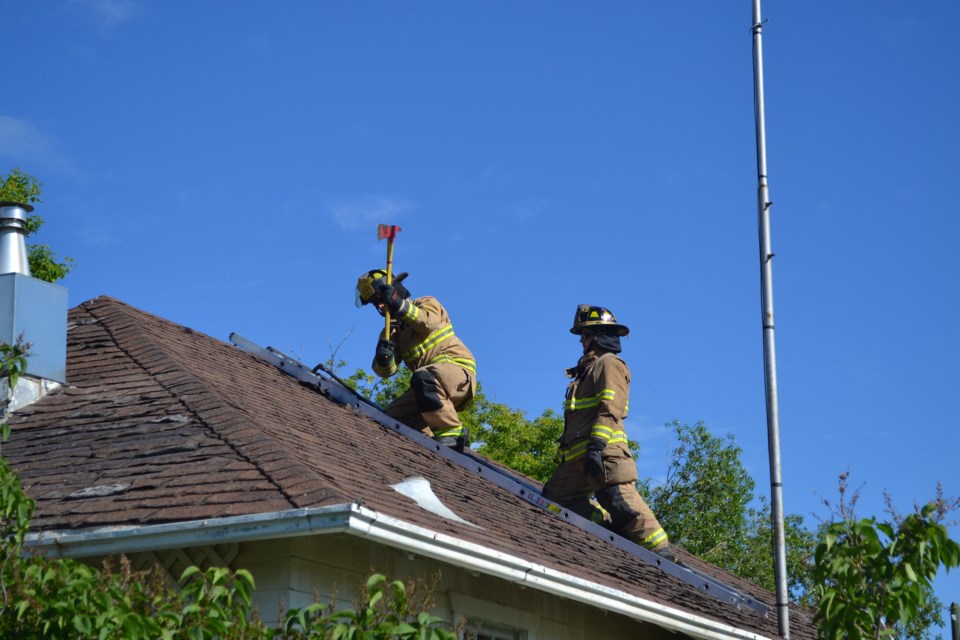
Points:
x=161 y=424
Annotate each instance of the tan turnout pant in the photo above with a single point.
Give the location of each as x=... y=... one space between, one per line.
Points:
x=624 y=511
x=448 y=389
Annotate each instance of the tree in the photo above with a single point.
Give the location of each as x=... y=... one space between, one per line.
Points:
x=873 y=579
x=496 y=431
x=19 y=187
x=704 y=505
x=22 y=188
x=507 y=436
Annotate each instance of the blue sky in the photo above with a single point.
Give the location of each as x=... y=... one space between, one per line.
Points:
x=226 y=168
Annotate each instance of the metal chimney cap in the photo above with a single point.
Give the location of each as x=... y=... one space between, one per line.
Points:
x=19 y=205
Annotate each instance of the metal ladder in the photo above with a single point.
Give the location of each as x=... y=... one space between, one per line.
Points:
x=334 y=388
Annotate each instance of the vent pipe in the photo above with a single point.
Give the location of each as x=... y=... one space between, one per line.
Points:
x=13 y=233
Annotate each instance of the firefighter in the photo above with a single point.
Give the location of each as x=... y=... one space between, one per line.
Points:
x=594 y=458
x=444 y=371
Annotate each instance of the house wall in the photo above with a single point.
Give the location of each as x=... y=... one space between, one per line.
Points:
x=295 y=572
x=288 y=572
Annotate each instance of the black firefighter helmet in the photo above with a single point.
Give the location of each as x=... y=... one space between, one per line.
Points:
x=591 y=316
x=369 y=283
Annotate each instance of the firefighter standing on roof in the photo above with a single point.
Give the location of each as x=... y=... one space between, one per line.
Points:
x=444 y=371
x=594 y=458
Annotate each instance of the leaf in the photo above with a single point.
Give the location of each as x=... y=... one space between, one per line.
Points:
x=911 y=574
x=188 y=572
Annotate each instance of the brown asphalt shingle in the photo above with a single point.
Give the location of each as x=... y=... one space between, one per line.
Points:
x=159 y=424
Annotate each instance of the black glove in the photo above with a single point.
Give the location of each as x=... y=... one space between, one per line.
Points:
x=593 y=460
x=390 y=297
x=384 y=357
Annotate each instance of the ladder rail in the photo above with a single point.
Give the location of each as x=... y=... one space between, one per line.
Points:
x=338 y=391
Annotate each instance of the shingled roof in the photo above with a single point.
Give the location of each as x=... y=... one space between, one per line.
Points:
x=161 y=424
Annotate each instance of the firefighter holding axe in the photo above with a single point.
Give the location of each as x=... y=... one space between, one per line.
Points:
x=418 y=333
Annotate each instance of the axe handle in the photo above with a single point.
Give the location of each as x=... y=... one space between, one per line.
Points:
x=386 y=312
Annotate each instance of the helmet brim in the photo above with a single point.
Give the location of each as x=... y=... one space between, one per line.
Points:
x=621 y=329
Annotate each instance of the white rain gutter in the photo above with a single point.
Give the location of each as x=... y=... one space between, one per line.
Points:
x=356 y=520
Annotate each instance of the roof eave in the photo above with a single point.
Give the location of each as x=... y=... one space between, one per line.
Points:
x=354 y=519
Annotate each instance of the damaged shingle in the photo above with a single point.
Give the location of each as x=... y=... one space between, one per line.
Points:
x=98 y=491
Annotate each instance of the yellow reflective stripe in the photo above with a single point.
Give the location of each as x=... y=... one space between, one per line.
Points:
x=453 y=432
x=409 y=311
x=607 y=434
x=566 y=454
x=602 y=432
x=655 y=539
x=466 y=363
x=428 y=343
x=575 y=404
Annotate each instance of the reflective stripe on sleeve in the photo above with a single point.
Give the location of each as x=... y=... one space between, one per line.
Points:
x=608 y=435
x=409 y=312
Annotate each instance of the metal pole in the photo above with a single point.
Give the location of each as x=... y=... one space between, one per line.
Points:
x=769 y=348
x=955 y=620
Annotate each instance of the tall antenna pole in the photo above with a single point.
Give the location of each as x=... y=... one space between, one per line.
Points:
x=769 y=347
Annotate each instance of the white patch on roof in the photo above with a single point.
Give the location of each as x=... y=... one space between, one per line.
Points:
x=100 y=491
x=419 y=490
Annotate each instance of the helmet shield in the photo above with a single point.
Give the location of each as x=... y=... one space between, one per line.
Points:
x=593 y=316
x=366 y=289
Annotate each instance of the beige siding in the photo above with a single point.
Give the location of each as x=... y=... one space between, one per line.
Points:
x=291 y=570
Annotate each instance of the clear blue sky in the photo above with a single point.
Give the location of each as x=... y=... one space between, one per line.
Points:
x=226 y=169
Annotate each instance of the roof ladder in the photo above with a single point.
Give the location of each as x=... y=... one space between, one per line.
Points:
x=331 y=386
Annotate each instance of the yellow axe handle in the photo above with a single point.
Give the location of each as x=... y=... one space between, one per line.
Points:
x=386 y=311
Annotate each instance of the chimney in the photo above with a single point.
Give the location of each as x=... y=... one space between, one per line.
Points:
x=35 y=309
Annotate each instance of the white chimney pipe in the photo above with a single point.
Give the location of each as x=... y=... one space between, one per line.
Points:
x=13 y=233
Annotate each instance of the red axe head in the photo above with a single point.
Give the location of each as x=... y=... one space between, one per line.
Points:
x=387 y=231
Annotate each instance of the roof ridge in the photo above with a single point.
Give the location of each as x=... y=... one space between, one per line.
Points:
x=124 y=324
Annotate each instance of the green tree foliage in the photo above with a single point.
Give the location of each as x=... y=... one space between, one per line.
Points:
x=509 y=437
x=704 y=505
x=874 y=578
x=23 y=188
x=497 y=431
x=19 y=187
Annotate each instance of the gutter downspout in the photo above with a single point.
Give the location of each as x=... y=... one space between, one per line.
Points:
x=360 y=521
